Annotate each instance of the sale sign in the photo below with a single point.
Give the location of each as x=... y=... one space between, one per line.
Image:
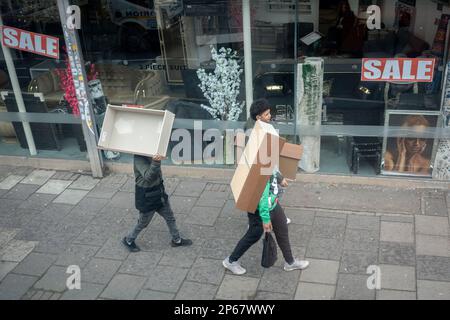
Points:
x=398 y=69
x=29 y=41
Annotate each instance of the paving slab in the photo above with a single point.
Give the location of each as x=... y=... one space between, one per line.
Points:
x=397 y=218
x=85 y=183
x=267 y=295
x=205 y=216
x=196 y=291
x=398 y=277
x=54 y=279
x=100 y=271
x=14 y=286
x=396 y=295
x=39 y=177
x=427 y=245
x=384 y=199
x=207 y=271
x=87 y=291
x=91 y=204
x=397 y=232
x=433 y=290
x=182 y=204
x=55 y=211
x=37 y=201
x=190 y=188
x=237 y=288
x=210 y=198
x=357 y=262
x=65 y=175
x=166 y=278
x=397 y=253
x=300 y=216
x=77 y=254
x=362 y=240
x=433 y=268
x=21 y=191
x=435 y=206
x=314 y=291
x=17 y=250
x=102 y=192
x=141 y=263
x=54 y=186
x=71 y=196
x=183 y=258
x=7 y=234
x=6 y=267
x=431 y=225
x=277 y=280
x=123 y=287
x=321 y=271
x=10 y=181
x=353 y=287
x=123 y=200
x=329 y=228
x=154 y=295
x=35 y=264
x=363 y=222
x=113 y=249
x=218 y=248
x=330 y=214
x=326 y=249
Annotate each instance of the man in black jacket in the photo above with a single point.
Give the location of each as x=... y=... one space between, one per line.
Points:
x=151 y=197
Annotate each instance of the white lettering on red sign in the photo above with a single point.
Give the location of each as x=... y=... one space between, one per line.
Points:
x=398 y=69
x=29 y=41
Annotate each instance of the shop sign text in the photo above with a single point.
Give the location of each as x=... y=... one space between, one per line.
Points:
x=398 y=69
x=29 y=41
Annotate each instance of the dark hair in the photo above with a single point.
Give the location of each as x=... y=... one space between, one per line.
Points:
x=258 y=107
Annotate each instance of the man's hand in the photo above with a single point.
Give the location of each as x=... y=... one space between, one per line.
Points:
x=284 y=183
x=267 y=227
x=158 y=158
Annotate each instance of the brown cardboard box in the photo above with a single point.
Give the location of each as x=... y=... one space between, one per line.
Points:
x=137 y=131
x=290 y=155
x=255 y=166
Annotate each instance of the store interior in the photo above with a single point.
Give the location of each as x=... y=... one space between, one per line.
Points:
x=147 y=56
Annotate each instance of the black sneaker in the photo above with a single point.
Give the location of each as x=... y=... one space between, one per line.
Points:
x=182 y=242
x=131 y=246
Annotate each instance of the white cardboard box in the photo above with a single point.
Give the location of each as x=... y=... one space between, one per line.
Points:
x=137 y=131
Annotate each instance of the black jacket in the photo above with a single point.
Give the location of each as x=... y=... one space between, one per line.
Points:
x=150 y=194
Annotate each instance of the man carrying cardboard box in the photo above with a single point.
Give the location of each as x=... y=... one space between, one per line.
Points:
x=269 y=214
x=151 y=197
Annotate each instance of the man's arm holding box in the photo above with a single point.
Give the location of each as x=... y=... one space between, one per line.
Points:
x=149 y=173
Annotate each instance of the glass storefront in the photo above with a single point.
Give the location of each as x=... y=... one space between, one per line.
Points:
x=34 y=83
x=148 y=53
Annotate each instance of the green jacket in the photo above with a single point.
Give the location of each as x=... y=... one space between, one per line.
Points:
x=269 y=198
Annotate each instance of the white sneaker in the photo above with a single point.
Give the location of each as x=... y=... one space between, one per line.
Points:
x=234 y=267
x=297 y=264
x=288 y=221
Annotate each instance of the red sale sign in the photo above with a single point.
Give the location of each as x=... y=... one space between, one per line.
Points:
x=398 y=69
x=29 y=41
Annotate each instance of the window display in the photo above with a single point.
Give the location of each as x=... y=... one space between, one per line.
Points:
x=151 y=53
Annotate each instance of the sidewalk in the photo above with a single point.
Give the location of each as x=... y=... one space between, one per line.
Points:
x=52 y=219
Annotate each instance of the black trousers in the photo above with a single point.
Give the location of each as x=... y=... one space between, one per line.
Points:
x=256 y=230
